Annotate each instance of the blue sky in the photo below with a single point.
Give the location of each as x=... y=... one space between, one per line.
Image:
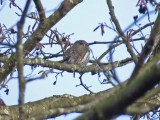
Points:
x=81 y=21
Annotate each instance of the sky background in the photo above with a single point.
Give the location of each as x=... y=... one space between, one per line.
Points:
x=81 y=21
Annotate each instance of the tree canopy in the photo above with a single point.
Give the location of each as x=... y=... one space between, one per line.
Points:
x=33 y=53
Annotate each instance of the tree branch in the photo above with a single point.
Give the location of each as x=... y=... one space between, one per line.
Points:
x=40 y=9
x=21 y=80
x=76 y=68
x=39 y=33
x=154 y=37
x=116 y=104
x=120 y=32
x=49 y=107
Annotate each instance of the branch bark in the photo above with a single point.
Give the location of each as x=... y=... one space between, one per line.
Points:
x=50 y=107
x=38 y=34
x=117 y=103
x=76 y=68
x=120 y=32
x=153 y=39
x=40 y=9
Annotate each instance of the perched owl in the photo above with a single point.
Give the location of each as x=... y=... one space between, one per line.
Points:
x=78 y=53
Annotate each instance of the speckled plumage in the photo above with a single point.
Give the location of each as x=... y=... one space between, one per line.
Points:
x=78 y=53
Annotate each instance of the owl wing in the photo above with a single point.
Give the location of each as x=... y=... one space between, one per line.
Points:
x=83 y=55
x=70 y=55
x=77 y=54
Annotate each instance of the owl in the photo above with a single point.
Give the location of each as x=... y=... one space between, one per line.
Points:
x=78 y=53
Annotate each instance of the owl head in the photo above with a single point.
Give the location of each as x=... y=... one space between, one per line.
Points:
x=81 y=42
x=78 y=53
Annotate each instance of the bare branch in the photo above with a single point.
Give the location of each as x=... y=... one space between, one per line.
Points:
x=75 y=68
x=20 y=60
x=39 y=33
x=116 y=104
x=121 y=34
x=83 y=103
x=154 y=38
x=40 y=9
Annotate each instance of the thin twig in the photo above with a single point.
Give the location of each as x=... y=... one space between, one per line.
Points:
x=20 y=55
x=84 y=85
x=120 y=32
x=154 y=37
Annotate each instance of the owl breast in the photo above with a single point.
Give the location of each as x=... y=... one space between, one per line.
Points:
x=79 y=53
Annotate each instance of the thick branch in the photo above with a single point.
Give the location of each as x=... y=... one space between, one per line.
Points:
x=154 y=37
x=76 y=68
x=146 y=104
x=116 y=104
x=50 y=107
x=39 y=33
